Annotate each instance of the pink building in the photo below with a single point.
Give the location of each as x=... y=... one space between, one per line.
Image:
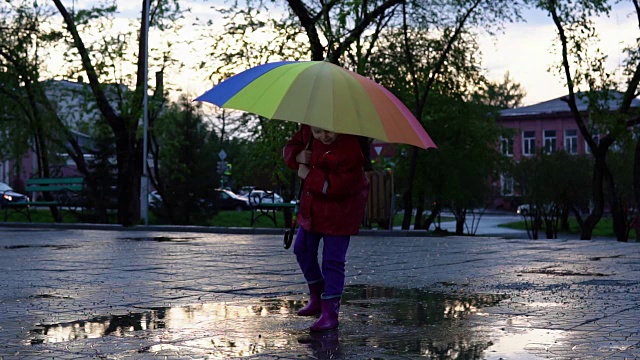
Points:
x=549 y=126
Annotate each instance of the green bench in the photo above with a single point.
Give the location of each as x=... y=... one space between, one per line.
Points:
x=268 y=210
x=66 y=191
x=265 y=205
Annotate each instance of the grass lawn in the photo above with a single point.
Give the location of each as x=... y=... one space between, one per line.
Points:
x=40 y=215
x=243 y=219
x=222 y=219
x=604 y=228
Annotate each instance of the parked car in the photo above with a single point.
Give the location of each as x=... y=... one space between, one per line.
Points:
x=522 y=209
x=8 y=195
x=258 y=196
x=525 y=209
x=155 y=200
x=245 y=190
x=229 y=200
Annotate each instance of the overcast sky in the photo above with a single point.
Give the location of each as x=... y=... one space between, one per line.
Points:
x=524 y=49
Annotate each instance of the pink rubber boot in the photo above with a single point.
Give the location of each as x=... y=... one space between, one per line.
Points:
x=329 y=318
x=313 y=307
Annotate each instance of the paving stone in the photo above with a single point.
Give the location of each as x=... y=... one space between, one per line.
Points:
x=137 y=294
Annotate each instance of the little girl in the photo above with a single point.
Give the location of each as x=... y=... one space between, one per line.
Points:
x=332 y=206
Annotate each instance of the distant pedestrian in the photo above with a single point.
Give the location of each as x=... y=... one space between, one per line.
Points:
x=332 y=205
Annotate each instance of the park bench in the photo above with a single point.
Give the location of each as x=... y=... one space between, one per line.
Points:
x=66 y=191
x=266 y=205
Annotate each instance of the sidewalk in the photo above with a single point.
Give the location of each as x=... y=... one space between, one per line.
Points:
x=182 y=293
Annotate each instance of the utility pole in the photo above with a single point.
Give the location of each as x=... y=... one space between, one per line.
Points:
x=144 y=186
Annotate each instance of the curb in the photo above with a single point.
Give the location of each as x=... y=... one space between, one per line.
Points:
x=201 y=229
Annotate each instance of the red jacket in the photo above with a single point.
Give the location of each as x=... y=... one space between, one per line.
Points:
x=337 y=208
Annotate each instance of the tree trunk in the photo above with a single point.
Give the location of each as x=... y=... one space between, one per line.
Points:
x=531 y=223
x=365 y=146
x=418 y=222
x=435 y=211
x=618 y=213
x=636 y=189
x=461 y=216
x=578 y=215
x=619 y=217
x=129 y=173
x=551 y=227
x=407 y=198
x=599 y=169
x=128 y=153
x=97 y=199
x=564 y=218
x=43 y=163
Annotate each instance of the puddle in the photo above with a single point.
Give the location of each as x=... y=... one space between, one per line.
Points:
x=49 y=296
x=159 y=238
x=54 y=247
x=598 y=258
x=416 y=322
x=414 y=307
x=376 y=322
x=157 y=318
x=560 y=272
x=619 y=283
x=522 y=343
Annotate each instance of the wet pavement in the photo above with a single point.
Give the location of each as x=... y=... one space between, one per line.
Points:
x=199 y=293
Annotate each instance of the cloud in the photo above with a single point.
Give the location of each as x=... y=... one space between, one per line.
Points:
x=526 y=51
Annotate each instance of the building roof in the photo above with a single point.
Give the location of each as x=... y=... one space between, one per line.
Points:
x=557 y=105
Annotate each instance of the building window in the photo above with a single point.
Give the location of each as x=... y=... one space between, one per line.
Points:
x=506 y=183
x=571 y=141
x=549 y=141
x=506 y=146
x=528 y=143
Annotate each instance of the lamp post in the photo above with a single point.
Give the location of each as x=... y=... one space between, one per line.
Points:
x=144 y=185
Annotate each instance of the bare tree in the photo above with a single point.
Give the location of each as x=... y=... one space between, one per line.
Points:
x=125 y=119
x=582 y=66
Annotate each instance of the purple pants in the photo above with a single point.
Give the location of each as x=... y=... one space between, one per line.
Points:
x=333 y=260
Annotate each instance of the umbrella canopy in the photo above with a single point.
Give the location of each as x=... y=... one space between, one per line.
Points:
x=321 y=94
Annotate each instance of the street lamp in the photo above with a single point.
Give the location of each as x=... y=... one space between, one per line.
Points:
x=144 y=186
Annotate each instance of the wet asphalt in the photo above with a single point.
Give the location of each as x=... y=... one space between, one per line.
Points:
x=78 y=292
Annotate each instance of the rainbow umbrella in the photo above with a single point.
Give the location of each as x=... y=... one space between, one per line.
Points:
x=321 y=94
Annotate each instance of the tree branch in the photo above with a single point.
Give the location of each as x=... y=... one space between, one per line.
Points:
x=101 y=98
x=309 y=24
x=357 y=31
x=571 y=99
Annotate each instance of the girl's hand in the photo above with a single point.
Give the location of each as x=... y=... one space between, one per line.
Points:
x=303 y=171
x=304 y=157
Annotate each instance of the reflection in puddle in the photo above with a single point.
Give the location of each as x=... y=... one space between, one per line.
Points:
x=224 y=346
x=518 y=340
x=157 y=318
x=417 y=306
x=416 y=321
x=376 y=321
